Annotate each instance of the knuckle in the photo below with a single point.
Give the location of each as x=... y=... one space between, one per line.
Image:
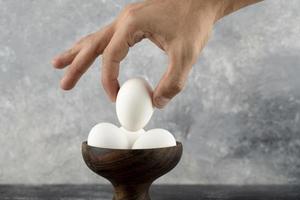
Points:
x=80 y=41
x=71 y=51
x=67 y=53
x=131 y=8
x=176 y=85
x=83 y=39
x=131 y=20
x=86 y=40
x=92 y=49
x=76 y=45
x=131 y=13
x=90 y=42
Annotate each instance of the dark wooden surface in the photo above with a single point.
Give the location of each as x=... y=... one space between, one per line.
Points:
x=158 y=192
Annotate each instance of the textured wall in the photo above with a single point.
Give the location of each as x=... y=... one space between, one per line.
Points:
x=238 y=117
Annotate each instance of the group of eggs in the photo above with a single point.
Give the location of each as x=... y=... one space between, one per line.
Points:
x=134 y=109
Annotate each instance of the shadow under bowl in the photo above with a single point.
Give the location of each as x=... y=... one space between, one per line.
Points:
x=131 y=171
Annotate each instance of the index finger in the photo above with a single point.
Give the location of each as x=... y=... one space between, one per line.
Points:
x=114 y=53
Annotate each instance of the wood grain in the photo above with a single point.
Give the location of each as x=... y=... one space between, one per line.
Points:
x=131 y=172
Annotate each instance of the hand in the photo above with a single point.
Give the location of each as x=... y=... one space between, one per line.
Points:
x=180 y=28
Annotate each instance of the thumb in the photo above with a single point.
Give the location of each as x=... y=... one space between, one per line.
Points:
x=173 y=80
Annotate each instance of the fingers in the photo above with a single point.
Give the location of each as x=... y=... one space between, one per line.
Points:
x=173 y=80
x=114 y=53
x=79 y=65
x=65 y=58
x=81 y=56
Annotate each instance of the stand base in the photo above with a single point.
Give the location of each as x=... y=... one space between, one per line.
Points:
x=132 y=192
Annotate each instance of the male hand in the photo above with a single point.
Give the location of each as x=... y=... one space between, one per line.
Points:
x=180 y=28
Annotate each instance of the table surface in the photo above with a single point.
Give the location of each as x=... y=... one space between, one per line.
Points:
x=157 y=192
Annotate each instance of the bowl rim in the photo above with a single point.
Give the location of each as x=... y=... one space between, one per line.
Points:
x=178 y=145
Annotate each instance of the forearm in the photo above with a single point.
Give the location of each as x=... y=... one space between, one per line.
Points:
x=230 y=6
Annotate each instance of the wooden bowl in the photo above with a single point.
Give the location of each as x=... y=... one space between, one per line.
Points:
x=131 y=171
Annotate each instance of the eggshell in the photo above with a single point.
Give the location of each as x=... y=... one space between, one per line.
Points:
x=106 y=135
x=134 y=104
x=132 y=136
x=155 y=138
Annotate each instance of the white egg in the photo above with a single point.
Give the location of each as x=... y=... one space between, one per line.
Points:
x=134 y=104
x=106 y=135
x=155 y=138
x=132 y=136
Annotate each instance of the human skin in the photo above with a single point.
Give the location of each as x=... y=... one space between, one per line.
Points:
x=181 y=28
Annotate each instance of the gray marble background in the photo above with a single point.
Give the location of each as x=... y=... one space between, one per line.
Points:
x=238 y=117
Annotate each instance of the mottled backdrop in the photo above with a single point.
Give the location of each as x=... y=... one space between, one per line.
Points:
x=238 y=117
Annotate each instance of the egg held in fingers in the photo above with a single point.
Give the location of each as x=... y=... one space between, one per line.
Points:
x=134 y=104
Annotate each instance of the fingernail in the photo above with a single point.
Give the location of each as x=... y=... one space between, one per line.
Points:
x=160 y=102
